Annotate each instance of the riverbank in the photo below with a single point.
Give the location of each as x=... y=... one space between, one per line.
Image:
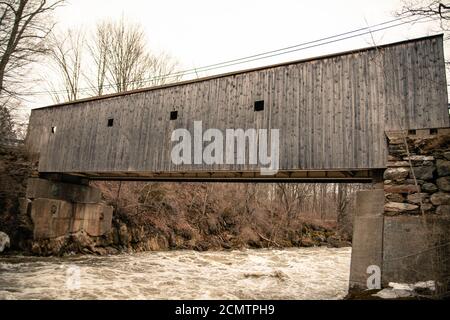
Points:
x=166 y=216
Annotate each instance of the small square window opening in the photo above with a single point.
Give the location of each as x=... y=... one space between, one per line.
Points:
x=259 y=105
x=173 y=115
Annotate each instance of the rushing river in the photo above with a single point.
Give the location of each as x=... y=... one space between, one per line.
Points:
x=304 y=273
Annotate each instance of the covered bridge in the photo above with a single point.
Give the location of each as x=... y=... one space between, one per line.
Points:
x=332 y=113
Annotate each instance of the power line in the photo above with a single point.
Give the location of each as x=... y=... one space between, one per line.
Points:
x=259 y=56
x=256 y=56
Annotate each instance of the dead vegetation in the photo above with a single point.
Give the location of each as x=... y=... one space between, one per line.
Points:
x=201 y=216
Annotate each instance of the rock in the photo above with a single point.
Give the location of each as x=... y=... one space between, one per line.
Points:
x=307 y=242
x=429 y=187
x=395 y=197
x=115 y=236
x=396 y=173
x=391 y=158
x=411 y=181
x=446 y=155
x=318 y=237
x=443 y=210
x=401 y=188
x=416 y=198
x=395 y=164
x=397 y=150
x=83 y=240
x=423 y=173
x=4 y=241
x=336 y=242
x=100 y=251
x=443 y=167
x=405 y=290
x=387 y=181
x=419 y=158
x=393 y=294
x=443 y=183
x=397 y=141
x=123 y=235
x=440 y=198
x=426 y=207
x=399 y=207
x=425 y=287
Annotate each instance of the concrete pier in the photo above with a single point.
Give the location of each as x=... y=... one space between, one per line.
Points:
x=59 y=209
x=404 y=228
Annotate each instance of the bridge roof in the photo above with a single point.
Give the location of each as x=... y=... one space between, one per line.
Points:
x=181 y=83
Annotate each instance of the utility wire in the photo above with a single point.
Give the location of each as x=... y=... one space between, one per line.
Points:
x=264 y=55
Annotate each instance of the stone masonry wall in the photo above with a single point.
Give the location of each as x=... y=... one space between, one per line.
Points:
x=429 y=156
x=416 y=228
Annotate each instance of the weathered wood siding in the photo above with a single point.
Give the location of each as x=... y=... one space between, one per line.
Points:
x=332 y=113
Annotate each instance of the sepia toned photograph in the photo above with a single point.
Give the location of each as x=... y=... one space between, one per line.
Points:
x=224 y=157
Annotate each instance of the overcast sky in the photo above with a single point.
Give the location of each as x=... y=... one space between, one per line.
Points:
x=202 y=32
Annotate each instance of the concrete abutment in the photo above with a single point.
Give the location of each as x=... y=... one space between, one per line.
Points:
x=64 y=212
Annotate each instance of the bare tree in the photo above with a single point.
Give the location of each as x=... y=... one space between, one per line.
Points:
x=98 y=50
x=24 y=26
x=162 y=70
x=123 y=61
x=427 y=8
x=6 y=124
x=66 y=56
x=115 y=58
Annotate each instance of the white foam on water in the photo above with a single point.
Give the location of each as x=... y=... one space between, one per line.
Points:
x=298 y=273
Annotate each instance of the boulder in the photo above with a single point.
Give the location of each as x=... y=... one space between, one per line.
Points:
x=419 y=158
x=443 y=210
x=397 y=150
x=443 y=183
x=443 y=167
x=395 y=197
x=401 y=188
x=429 y=187
x=417 y=198
x=406 y=290
x=395 y=294
x=336 y=242
x=426 y=207
x=396 y=173
x=391 y=158
x=446 y=155
x=412 y=181
x=440 y=198
x=307 y=242
x=124 y=235
x=399 y=207
x=4 y=241
x=397 y=141
x=423 y=173
x=396 y=164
